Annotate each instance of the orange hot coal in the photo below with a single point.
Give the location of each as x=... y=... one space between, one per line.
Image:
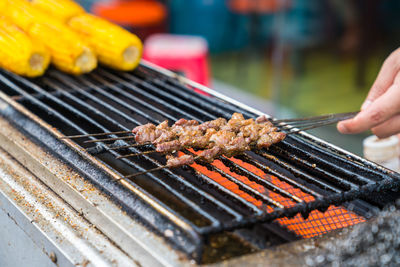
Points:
x=316 y=224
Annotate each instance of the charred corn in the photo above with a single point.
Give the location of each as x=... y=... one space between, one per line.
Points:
x=19 y=53
x=68 y=51
x=60 y=9
x=114 y=46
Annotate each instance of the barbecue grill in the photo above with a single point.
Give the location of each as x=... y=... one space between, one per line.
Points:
x=300 y=188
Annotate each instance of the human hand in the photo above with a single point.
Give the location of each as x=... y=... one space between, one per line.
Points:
x=381 y=109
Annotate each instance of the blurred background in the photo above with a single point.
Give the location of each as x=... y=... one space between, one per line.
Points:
x=287 y=58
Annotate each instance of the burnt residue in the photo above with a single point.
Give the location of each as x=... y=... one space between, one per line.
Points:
x=224 y=246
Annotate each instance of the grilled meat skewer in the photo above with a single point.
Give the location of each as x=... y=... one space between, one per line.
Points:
x=227 y=145
x=150 y=133
x=216 y=138
x=253 y=134
x=250 y=136
x=236 y=147
x=174 y=162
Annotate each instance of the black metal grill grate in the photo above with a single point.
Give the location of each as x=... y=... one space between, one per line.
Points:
x=299 y=175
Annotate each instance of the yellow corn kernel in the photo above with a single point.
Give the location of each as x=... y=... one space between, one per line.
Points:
x=114 y=46
x=60 y=9
x=19 y=53
x=68 y=51
x=21 y=13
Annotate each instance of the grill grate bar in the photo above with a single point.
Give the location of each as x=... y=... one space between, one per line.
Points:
x=154 y=90
x=209 y=103
x=303 y=188
x=241 y=184
x=213 y=117
x=294 y=177
x=191 y=105
x=80 y=130
x=241 y=170
x=179 y=90
x=184 y=92
x=135 y=150
x=294 y=170
x=313 y=193
x=349 y=184
x=164 y=86
x=147 y=95
x=244 y=172
x=247 y=173
x=202 y=199
x=188 y=185
x=331 y=178
x=302 y=174
x=65 y=79
x=367 y=170
x=359 y=179
x=321 y=204
x=35 y=101
x=188 y=96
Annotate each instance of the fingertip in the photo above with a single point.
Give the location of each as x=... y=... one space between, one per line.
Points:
x=343 y=128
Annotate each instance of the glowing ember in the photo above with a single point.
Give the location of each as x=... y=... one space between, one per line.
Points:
x=316 y=224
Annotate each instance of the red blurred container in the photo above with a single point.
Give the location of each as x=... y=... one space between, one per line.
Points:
x=142 y=17
x=180 y=53
x=257 y=6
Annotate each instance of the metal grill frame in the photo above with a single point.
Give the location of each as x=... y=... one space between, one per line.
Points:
x=194 y=235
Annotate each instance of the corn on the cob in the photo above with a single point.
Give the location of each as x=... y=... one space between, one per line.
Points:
x=19 y=53
x=68 y=52
x=114 y=46
x=60 y=9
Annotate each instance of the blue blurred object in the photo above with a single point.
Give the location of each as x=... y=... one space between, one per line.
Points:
x=303 y=24
x=211 y=19
x=87 y=4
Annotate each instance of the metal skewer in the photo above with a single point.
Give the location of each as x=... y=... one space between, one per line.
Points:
x=151 y=170
x=318 y=118
x=110 y=139
x=95 y=134
x=294 y=126
x=129 y=146
x=136 y=154
x=306 y=124
x=309 y=126
x=144 y=172
x=317 y=121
